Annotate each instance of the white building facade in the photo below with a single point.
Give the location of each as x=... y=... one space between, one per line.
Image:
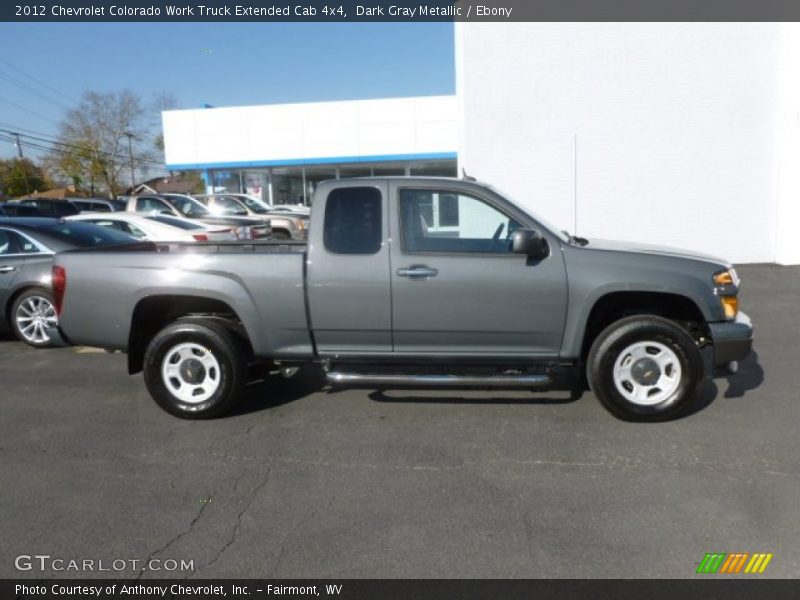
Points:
x=683 y=134
x=281 y=151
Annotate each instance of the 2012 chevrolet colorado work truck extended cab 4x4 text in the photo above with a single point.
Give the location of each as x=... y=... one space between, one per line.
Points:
x=420 y=281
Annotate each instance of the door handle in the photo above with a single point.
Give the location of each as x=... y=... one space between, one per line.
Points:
x=418 y=272
x=7 y=269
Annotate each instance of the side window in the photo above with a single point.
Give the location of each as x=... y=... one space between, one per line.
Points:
x=151 y=205
x=131 y=230
x=24 y=245
x=443 y=221
x=229 y=206
x=7 y=243
x=13 y=243
x=353 y=222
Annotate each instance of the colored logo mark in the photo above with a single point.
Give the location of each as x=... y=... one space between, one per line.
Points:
x=735 y=562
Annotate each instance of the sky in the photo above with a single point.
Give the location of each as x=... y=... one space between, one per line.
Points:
x=45 y=67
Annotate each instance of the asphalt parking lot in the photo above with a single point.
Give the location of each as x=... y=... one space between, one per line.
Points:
x=308 y=482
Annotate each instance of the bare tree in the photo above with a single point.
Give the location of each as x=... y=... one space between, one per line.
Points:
x=161 y=102
x=94 y=136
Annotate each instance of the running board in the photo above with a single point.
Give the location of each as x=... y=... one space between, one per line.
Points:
x=506 y=381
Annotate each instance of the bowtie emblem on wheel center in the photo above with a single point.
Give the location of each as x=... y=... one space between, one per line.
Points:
x=646 y=371
x=193 y=371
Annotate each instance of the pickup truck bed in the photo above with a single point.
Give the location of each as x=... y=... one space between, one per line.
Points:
x=262 y=282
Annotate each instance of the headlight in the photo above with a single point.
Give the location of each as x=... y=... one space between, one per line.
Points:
x=301 y=224
x=728 y=277
x=726 y=286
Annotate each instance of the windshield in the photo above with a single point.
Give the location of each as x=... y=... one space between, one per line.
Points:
x=189 y=207
x=543 y=222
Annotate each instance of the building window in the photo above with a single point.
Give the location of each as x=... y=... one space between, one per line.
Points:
x=353 y=221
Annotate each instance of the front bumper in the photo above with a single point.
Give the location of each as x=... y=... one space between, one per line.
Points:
x=732 y=339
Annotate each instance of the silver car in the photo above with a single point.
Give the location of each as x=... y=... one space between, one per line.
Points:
x=285 y=225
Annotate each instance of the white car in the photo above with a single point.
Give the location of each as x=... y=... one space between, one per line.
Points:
x=157 y=227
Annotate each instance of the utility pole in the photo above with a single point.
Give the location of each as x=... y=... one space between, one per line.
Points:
x=22 y=164
x=130 y=156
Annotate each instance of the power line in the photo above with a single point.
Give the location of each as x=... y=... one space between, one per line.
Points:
x=35 y=114
x=30 y=89
x=41 y=83
x=75 y=146
x=18 y=128
x=66 y=152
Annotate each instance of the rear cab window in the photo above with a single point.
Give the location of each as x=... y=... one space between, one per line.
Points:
x=353 y=221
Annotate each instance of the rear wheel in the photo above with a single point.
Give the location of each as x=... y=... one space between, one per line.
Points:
x=31 y=314
x=195 y=369
x=644 y=368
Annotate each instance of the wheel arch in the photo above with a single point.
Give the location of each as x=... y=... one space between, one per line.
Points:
x=616 y=305
x=152 y=313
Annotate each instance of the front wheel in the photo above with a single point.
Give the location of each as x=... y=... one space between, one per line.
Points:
x=194 y=369
x=644 y=368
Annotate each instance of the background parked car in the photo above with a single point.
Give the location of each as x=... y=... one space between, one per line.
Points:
x=50 y=207
x=285 y=225
x=14 y=209
x=179 y=205
x=94 y=204
x=27 y=247
x=157 y=228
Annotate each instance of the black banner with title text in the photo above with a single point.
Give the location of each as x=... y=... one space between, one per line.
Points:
x=399 y=10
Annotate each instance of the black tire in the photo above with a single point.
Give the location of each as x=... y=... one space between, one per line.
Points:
x=622 y=335
x=280 y=234
x=215 y=339
x=21 y=308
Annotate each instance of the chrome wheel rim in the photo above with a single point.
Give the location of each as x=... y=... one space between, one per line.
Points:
x=647 y=373
x=191 y=373
x=34 y=315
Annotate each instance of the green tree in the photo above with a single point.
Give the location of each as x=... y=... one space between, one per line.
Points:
x=20 y=176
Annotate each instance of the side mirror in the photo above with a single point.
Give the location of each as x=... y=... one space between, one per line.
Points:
x=530 y=243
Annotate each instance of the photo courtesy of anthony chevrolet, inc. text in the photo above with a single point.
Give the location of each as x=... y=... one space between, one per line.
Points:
x=418 y=299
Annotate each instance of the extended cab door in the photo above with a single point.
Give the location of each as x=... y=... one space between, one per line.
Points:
x=348 y=270
x=456 y=287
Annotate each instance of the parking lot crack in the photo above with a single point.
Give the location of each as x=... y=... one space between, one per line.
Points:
x=177 y=537
x=238 y=526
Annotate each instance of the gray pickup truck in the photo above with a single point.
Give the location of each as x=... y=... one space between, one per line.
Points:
x=410 y=281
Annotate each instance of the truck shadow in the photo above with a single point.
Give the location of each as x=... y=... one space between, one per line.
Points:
x=748 y=377
x=276 y=391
